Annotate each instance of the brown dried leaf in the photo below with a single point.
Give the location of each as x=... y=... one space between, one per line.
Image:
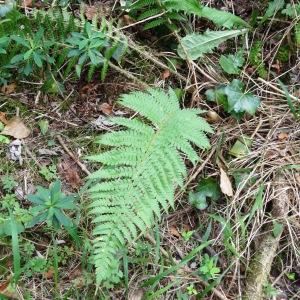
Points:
x=225 y=184
x=282 y=136
x=106 y=108
x=136 y=295
x=71 y=175
x=166 y=74
x=91 y=12
x=26 y=3
x=3 y=118
x=7 y=290
x=16 y=128
x=173 y=231
x=49 y=274
x=8 y=89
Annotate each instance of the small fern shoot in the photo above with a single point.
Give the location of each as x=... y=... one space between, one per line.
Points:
x=140 y=171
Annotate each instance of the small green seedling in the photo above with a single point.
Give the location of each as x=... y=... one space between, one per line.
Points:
x=8 y=183
x=270 y=291
x=191 y=290
x=44 y=126
x=49 y=206
x=208 y=269
x=186 y=235
x=49 y=173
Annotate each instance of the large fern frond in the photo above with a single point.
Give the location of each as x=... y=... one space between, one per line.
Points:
x=140 y=171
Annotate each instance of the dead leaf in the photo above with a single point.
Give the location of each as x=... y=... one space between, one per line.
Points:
x=3 y=118
x=282 y=136
x=49 y=274
x=166 y=73
x=7 y=290
x=128 y=20
x=106 y=108
x=71 y=175
x=91 y=12
x=26 y=3
x=213 y=117
x=297 y=176
x=16 y=128
x=136 y=295
x=225 y=184
x=8 y=89
x=173 y=231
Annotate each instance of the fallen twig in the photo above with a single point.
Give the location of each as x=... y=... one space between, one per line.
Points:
x=260 y=265
x=71 y=154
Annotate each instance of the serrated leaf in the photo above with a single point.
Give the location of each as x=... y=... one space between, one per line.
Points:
x=188 y=6
x=194 y=46
x=231 y=63
x=291 y=10
x=238 y=100
x=274 y=7
x=223 y=18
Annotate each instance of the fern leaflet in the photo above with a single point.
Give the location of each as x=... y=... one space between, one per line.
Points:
x=140 y=171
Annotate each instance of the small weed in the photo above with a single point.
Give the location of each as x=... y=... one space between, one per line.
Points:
x=208 y=269
x=49 y=173
x=186 y=235
x=8 y=183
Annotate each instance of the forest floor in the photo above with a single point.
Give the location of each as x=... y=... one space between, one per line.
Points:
x=247 y=182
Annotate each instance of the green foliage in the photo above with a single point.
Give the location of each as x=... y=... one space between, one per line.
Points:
x=34 y=52
x=49 y=173
x=291 y=10
x=139 y=173
x=44 y=126
x=7 y=7
x=273 y=7
x=241 y=146
x=231 y=63
x=49 y=205
x=297 y=34
x=87 y=46
x=223 y=18
x=194 y=46
x=173 y=8
x=255 y=59
x=8 y=183
x=283 y=53
x=208 y=269
x=186 y=235
x=234 y=99
x=207 y=188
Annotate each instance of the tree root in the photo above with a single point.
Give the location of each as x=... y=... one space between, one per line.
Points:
x=260 y=265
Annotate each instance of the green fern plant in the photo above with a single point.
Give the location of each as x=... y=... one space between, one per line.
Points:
x=140 y=172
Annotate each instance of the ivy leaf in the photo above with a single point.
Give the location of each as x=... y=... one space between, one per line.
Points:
x=231 y=63
x=207 y=188
x=238 y=100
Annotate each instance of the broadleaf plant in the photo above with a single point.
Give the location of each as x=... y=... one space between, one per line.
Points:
x=194 y=46
x=141 y=170
x=49 y=205
x=234 y=99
